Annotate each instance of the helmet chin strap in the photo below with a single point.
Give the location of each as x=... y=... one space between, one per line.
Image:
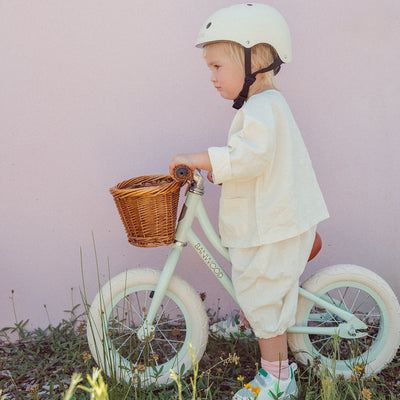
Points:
x=250 y=78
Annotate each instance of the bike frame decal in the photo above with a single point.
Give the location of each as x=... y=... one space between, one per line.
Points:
x=208 y=260
x=212 y=264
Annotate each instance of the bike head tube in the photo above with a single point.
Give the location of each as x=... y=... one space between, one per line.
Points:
x=197 y=185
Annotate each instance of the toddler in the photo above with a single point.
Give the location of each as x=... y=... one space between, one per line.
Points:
x=270 y=200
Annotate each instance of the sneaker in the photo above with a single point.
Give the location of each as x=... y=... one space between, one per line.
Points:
x=266 y=387
x=232 y=326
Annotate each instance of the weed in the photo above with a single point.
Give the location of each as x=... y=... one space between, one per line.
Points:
x=43 y=362
x=49 y=364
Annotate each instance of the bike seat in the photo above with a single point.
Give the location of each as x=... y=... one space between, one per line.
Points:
x=316 y=246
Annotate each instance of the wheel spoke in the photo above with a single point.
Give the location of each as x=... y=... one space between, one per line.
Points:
x=162 y=350
x=324 y=339
x=321 y=348
x=376 y=321
x=129 y=356
x=329 y=312
x=124 y=342
x=172 y=320
x=342 y=298
x=136 y=309
x=170 y=325
x=121 y=342
x=120 y=325
x=166 y=340
x=162 y=313
x=353 y=300
x=368 y=315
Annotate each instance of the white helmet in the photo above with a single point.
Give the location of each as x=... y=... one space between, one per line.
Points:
x=249 y=24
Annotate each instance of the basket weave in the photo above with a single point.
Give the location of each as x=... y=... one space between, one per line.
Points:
x=148 y=206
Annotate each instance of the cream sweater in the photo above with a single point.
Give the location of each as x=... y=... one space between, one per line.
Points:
x=269 y=192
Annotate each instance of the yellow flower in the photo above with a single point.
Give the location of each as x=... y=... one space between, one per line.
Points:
x=141 y=368
x=366 y=394
x=240 y=378
x=256 y=391
x=359 y=369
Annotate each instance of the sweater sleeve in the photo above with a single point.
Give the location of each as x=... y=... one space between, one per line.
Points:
x=249 y=151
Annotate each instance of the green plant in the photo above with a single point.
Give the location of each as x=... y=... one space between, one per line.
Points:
x=41 y=362
x=47 y=358
x=98 y=389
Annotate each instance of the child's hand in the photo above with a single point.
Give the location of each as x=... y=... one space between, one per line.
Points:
x=180 y=159
x=211 y=179
x=191 y=160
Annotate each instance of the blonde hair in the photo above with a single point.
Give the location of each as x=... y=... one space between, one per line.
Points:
x=262 y=55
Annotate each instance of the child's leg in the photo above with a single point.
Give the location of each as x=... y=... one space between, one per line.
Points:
x=274 y=349
x=274 y=356
x=266 y=285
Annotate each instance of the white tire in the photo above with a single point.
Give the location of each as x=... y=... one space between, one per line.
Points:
x=371 y=299
x=117 y=312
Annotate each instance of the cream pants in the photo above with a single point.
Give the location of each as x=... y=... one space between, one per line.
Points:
x=266 y=281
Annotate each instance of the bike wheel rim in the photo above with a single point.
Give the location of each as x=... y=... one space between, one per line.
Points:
x=124 y=365
x=378 y=341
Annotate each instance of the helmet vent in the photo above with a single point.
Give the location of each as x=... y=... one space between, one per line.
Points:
x=249 y=4
x=208 y=25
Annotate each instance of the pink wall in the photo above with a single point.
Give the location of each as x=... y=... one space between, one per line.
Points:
x=94 y=92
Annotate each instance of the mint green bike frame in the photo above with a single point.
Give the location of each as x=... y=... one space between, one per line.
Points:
x=351 y=327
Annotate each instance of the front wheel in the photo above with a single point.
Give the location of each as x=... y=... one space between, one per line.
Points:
x=116 y=314
x=369 y=298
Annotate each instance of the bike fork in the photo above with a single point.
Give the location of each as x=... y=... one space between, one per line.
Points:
x=147 y=329
x=350 y=328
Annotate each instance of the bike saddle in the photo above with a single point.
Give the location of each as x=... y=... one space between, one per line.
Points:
x=316 y=246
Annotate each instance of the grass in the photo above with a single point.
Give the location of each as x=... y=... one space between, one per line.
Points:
x=41 y=363
x=55 y=363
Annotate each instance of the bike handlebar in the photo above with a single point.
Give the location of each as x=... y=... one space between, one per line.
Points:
x=182 y=173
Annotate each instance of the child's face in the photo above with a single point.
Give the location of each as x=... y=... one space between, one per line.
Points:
x=226 y=75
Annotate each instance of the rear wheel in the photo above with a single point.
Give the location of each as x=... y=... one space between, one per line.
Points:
x=369 y=298
x=117 y=313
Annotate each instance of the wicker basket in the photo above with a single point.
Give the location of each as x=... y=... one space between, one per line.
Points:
x=147 y=206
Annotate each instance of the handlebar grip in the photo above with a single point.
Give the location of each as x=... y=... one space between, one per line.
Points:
x=182 y=173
